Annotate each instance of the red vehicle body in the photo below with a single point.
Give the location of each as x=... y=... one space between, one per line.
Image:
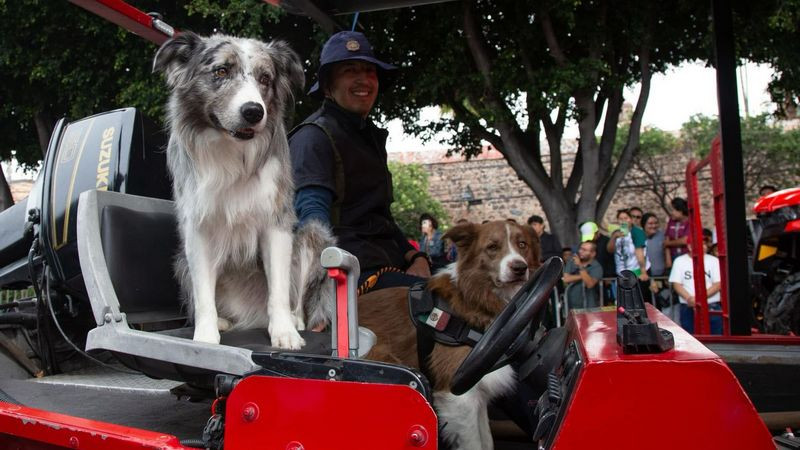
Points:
x=607 y=400
x=776 y=260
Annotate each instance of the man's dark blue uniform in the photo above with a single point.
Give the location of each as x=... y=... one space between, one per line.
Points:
x=360 y=215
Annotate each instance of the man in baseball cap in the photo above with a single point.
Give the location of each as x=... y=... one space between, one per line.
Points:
x=347 y=46
x=339 y=165
x=588 y=231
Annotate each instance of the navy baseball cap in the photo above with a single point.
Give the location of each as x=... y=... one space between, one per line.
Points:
x=344 y=46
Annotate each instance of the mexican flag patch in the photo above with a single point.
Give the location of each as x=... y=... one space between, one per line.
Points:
x=438 y=319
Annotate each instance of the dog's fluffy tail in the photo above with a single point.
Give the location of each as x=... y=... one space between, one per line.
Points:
x=314 y=290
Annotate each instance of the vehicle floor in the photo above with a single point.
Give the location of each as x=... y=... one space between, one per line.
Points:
x=141 y=402
x=119 y=398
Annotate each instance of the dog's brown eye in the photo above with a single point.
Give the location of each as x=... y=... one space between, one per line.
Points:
x=221 y=72
x=492 y=247
x=264 y=79
x=522 y=244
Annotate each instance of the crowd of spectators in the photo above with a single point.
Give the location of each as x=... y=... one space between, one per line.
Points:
x=657 y=251
x=660 y=256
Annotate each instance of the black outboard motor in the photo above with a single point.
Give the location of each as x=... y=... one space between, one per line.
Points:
x=119 y=151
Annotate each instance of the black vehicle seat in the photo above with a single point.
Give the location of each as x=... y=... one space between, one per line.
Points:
x=136 y=299
x=140 y=248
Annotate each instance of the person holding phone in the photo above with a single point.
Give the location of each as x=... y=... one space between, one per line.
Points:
x=629 y=245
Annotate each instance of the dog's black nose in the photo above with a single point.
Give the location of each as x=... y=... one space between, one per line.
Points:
x=518 y=267
x=252 y=112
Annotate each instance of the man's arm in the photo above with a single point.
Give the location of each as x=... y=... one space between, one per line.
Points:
x=313 y=203
x=588 y=280
x=612 y=241
x=716 y=287
x=419 y=267
x=571 y=277
x=678 y=242
x=683 y=293
x=640 y=257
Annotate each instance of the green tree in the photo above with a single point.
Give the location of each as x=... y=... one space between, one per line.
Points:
x=771 y=155
x=59 y=60
x=510 y=71
x=768 y=31
x=412 y=199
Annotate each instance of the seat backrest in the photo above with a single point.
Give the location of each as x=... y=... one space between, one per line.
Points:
x=139 y=249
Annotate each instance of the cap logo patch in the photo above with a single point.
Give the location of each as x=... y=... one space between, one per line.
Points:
x=352 y=45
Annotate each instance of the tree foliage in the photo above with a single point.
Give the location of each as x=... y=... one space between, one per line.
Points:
x=411 y=198
x=771 y=155
x=82 y=64
x=768 y=32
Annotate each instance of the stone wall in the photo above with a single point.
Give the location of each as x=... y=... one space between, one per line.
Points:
x=497 y=192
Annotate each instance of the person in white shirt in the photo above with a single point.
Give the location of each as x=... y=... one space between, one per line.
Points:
x=682 y=279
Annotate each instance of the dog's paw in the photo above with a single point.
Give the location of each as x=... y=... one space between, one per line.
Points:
x=206 y=334
x=283 y=335
x=223 y=324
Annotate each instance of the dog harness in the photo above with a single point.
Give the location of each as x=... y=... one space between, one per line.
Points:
x=433 y=318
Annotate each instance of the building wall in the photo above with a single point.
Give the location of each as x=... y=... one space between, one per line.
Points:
x=498 y=193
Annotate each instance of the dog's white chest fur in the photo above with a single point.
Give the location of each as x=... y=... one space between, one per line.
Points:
x=240 y=192
x=465 y=416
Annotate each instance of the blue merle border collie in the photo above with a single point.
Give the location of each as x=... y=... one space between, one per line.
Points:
x=241 y=265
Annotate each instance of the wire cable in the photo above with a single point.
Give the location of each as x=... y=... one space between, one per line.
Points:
x=71 y=344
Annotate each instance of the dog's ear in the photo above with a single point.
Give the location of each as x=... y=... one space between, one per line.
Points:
x=462 y=235
x=172 y=56
x=288 y=64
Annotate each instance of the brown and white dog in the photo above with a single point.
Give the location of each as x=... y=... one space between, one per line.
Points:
x=494 y=261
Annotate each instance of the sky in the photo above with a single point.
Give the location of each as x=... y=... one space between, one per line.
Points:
x=675 y=96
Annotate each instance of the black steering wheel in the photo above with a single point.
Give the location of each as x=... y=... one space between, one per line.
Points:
x=508 y=325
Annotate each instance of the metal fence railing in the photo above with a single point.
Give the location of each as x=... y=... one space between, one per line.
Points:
x=668 y=304
x=11 y=295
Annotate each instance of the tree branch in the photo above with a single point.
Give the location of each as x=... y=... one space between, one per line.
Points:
x=480 y=55
x=575 y=177
x=554 y=131
x=468 y=119
x=609 y=136
x=599 y=104
x=632 y=145
x=550 y=38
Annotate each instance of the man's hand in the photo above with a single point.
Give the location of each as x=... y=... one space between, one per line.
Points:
x=644 y=277
x=576 y=260
x=690 y=301
x=419 y=268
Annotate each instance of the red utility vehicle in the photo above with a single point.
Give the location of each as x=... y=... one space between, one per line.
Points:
x=99 y=261
x=776 y=260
